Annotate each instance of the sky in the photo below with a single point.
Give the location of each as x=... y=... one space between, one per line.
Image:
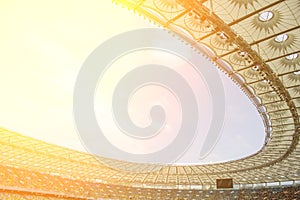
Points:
x=43 y=47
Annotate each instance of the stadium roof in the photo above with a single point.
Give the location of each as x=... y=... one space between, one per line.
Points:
x=256 y=43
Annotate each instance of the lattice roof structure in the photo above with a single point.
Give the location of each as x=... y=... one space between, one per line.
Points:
x=255 y=42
